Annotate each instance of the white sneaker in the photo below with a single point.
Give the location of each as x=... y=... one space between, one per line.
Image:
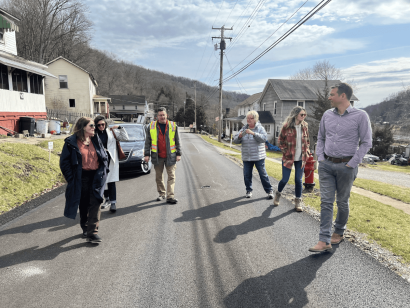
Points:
x=106 y=204
x=270 y=195
x=248 y=194
x=160 y=198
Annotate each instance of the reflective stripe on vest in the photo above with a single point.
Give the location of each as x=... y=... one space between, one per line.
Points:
x=154 y=136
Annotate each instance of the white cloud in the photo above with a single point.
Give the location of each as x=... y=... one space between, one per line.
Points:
x=369 y=11
x=379 y=79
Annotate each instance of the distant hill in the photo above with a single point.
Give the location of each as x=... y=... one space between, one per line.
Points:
x=395 y=109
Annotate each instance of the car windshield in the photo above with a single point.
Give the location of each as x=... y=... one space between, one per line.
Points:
x=135 y=132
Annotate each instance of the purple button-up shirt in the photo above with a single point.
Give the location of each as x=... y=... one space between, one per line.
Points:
x=344 y=135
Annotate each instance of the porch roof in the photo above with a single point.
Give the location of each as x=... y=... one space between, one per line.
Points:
x=235 y=119
x=25 y=66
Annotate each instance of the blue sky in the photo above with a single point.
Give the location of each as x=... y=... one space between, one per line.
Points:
x=368 y=40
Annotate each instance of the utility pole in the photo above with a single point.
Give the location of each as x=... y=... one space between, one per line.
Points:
x=222 y=46
x=195 y=107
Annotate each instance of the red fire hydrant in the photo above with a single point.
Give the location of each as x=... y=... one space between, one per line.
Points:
x=310 y=172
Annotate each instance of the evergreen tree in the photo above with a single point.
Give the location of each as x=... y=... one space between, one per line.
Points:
x=382 y=139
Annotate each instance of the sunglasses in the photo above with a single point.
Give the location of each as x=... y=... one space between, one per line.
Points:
x=303 y=115
x=91 y=125
x=103 y=124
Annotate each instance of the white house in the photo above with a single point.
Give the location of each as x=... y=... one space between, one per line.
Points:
x=21 y=81
x=75 y=90
x=251 y=103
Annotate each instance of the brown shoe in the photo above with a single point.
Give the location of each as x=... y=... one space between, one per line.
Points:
x=320 y=247
x=336 y=239
x=298 y=207
x=277 y=198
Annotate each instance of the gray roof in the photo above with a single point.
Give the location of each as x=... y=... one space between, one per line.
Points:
x=236 y=119
x=127 y=99
x=251 y=99
x=265 y=117
x=288 y=89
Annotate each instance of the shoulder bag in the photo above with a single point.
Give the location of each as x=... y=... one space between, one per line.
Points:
x=121 y=154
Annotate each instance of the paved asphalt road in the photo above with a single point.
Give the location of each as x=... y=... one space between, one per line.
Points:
x=213 y=249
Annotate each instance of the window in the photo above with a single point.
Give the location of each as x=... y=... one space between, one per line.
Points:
x=267 y=128
x=19 y=78
x=264 y=106
x=2 y=36
x=63 y=81
x=36 y=84
x=136 y=107
x=4 y=77
x=123 y=107
x=277 y=131
x=301 y=104
x=274 y=106
x=72 y=102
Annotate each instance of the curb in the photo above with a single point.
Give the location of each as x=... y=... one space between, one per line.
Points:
x=32 y=204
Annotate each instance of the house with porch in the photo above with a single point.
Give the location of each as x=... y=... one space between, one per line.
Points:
x=280 y=96
x=251 y=103
x=21 y=81
x=75 y=90
x=131 y=108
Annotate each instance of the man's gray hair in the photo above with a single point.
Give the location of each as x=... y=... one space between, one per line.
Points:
x=162 y=109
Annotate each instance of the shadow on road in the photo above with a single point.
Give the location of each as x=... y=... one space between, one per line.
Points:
x=230 y=233
x=282 y=287
x=214 y=210
x=55 y=224
x=61 y=223
x=43 y=254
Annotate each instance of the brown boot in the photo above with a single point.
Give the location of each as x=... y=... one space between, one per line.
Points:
x=277 y=198
x=298 y=207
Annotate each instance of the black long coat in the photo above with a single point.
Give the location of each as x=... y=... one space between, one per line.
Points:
x=71 y=167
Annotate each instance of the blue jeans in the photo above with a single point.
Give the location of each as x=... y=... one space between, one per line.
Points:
x=334 y=178
x=298 y=178
x=247 y=174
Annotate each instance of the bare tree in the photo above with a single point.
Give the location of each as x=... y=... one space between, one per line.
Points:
x=321 y=70
x=50 y=28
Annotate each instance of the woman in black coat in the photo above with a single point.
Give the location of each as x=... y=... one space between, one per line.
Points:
x=83 y=163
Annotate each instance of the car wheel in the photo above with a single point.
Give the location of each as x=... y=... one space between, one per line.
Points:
x=146 y=167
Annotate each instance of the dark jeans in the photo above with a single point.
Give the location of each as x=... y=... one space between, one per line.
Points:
x=111 y=192
x=298 y=178
x=247 y=174
x=89 y=205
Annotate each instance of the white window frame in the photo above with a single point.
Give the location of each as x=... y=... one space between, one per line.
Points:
x=267 y=128
x=277 y=131
x=275 y=104
x=303 y=104
x=264 y=107
x=59 y=81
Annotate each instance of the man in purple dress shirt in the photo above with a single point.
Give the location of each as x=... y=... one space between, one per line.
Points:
x=345 y=136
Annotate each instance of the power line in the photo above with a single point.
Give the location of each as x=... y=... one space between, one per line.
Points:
x=270 y=35
x=316 y=9
x=254 y=13
x=237 y=81
x=231 y=12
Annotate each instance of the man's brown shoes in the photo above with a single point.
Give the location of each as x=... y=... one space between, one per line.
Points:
x=336 y=239
x=321 y=247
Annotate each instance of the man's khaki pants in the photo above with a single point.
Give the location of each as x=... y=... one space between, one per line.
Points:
x=159 y=178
